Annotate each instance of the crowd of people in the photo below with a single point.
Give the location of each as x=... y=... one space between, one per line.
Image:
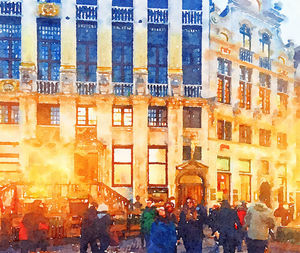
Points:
x=163 y=227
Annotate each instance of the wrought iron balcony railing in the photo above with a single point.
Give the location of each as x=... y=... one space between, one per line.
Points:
x=86 y=12
x=265 y=62
x=11 y=8
x=191 y=17
x=158 y=89
x=47 y=87
x=123 y=89
x=122 y=14
x=246 y=55
x=192 y=90
x=86 y=88
x=157 y=16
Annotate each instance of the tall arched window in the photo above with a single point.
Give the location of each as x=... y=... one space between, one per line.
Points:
x=265 y=43
x=246 y=33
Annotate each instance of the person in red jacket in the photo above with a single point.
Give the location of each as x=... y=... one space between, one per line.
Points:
x=241 y=212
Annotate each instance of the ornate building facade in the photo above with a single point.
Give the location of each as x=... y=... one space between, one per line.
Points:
x=151 y=98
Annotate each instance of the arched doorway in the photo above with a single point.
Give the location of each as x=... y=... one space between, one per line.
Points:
x=191 y=186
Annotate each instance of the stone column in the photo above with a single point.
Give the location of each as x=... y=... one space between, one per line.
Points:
x=28 y=68
x=175 y=140
x=205 y=66
x=140 y=71
x=28 y=122
x=175 y=49
x=104 y=135
x=104 y=62
x=140 y=146
x=68 y=47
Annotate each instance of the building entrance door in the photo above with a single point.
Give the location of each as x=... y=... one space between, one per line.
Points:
x=190 y=186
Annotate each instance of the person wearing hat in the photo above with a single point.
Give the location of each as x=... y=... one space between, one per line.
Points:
x=163 y=234
x=147 y=219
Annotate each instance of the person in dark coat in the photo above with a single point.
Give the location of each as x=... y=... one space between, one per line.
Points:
x=228 y=225
x=163 y=234
x=282 y=213
x=147 y=218
x=31 y=225
x=190 y=227
x=103 y=224
x=89 y=230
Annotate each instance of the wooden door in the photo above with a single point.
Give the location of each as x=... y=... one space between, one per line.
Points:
x=194 y=191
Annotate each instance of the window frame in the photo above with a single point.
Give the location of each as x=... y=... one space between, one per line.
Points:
x=265 y=136
x=113 y=163
x=245 y=87
x=190 y=111
x=265 y=92
x=49 y=107
x=282 y=140
x=157 y=108
x=166 y=165
x=246 y=32
x=9 y=113
x=245 y=134
x=11 y=39
x=224 y=80
x=266 y=42
x=89 y=77
x=86 y=116
x=222 y=130
x=122 y=107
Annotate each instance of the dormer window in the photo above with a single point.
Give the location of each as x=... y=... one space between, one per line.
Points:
x=265 y=44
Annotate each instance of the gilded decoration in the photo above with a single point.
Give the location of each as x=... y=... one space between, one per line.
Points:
x=9 y=85
x=48 y=9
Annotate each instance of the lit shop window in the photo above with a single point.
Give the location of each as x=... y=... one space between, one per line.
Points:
x=245 y=176
x=86 y=116
x=265 y=137
x=245 y=87
x=122 y=166
x=9 y=113
x=48 y=114
x=224 y=81
x=157 y=116
x=223 y=178
x=224 y=130
x=157 y=163
x=122 y=116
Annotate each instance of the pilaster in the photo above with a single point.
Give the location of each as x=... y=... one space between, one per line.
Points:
x=140 y=146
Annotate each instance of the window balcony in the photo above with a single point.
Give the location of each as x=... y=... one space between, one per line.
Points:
x=86 y=88
x=192 y=90
x=191 y=17
x=157 y=16
x=122 y=14
x=86 y=12
x=246 y=55
x=11 y=8
x=47 y=87
x=265 y=62
x=158 y=89
x=123 y=89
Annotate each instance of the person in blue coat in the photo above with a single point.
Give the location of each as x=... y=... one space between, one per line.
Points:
x=163 y=234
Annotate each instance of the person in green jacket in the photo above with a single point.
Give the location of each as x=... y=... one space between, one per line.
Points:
x=147 y=218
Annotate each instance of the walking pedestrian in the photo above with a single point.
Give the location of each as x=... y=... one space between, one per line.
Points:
x=190 y=227
x=147 y=219
x=228 y=226
x=89 y=230
x=103 y=223
x=241 y=212
x=163 y=234
x=259 y=219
